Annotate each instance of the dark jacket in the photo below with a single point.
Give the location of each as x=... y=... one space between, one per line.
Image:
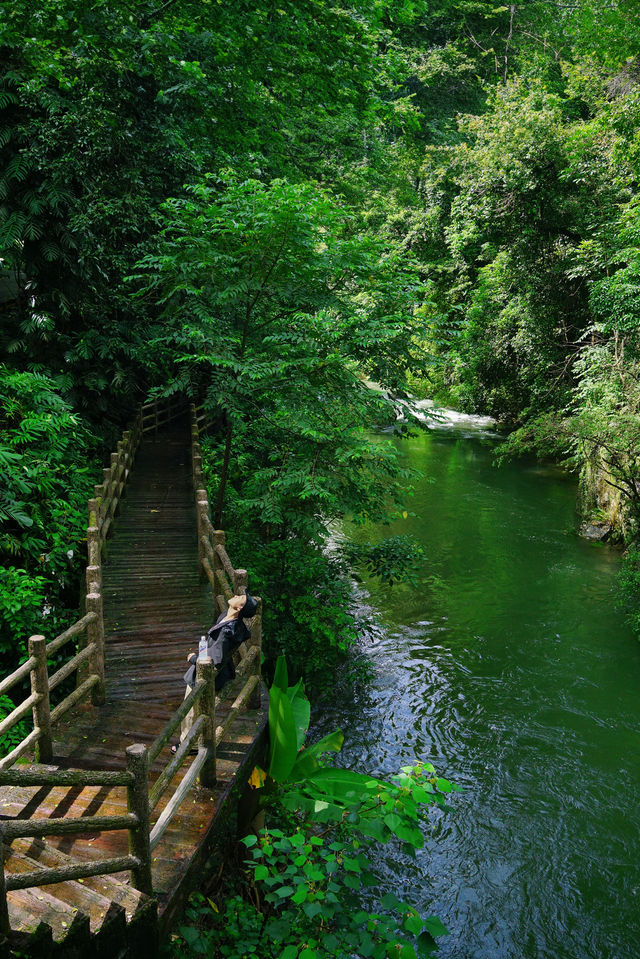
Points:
x=223 y=639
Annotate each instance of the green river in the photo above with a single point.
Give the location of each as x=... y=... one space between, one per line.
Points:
x=510 y=669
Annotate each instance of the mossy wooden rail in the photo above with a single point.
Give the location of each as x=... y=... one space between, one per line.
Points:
x=153 y=791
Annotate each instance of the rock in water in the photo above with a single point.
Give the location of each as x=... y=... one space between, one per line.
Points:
x=598 y=532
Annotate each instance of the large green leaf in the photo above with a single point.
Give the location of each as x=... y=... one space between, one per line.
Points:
x=280 y=677
x=301 y=708
x=283 y=747
x=307 y=760
x=343 y=785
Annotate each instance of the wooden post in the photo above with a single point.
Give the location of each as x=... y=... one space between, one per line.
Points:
x=256 y=640
x=5 y=925
x=93 y=546
x=94 y=575
x=202 y=511
x=94 y=585
x=206 y=706
x=95 y=634
x=41 y=708
x=94 y=513
x=240 y=581
x=219 y=539
x=198 y=475
x=138 y=803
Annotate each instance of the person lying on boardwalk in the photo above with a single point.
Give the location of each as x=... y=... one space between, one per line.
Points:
x=223 y=640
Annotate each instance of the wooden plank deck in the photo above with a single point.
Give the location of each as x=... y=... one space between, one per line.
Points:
x=156 y=607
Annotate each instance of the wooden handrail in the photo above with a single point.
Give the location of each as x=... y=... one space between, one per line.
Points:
x=185 y=707
x=70 y=667
x=65 y=777
x=213 y=558
x=202 y=699
x=73 y=698
x=18 y=713
x=178 y=798
x=41 y=685
x=68 y=634
x=31 y=740
x=172 y=768
x=161 y=411
x=81 y=870
x=241 y=701
x=16 y=828
x=17 y=675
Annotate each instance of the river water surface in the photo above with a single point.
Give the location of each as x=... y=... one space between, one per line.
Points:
x=510 y=669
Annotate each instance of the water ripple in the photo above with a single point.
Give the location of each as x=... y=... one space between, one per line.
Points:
x=512 y=672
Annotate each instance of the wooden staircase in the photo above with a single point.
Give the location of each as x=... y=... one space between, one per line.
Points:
x=99 y=914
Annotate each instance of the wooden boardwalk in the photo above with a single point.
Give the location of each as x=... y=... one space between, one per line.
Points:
x=155 y=607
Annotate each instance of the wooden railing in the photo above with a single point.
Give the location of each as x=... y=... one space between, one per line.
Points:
x=201 y=699
x=136 y=821
x=160 y=412
x=88 y=662
x=44 y=717
x=224 y=579
x=141 y=802
x=108 y=494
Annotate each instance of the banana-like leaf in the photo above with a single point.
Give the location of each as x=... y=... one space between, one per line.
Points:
x=282 y=733
x=307 y=761
x=301 y=708
x=280 y=677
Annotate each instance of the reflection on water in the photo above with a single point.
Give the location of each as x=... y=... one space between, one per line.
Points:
x=512 y=671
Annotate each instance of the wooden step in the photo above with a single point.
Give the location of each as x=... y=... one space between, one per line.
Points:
x=111 y=888
x=69 y=926
x=104 y=910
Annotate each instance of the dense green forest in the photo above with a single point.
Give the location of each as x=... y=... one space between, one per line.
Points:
x=267 y=207
x=262 y=205
x=258 y=205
